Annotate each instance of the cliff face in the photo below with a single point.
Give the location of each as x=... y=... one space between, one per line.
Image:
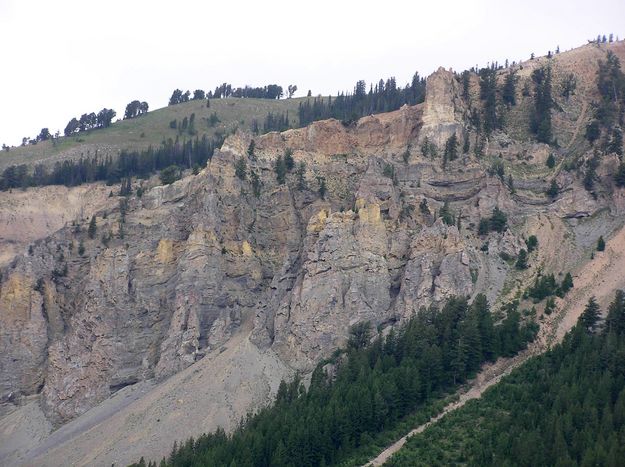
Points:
x=190 y=269
x=33 y=214
x=443 y=108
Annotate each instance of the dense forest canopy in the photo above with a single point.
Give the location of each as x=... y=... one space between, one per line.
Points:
x=348 y=107
x=563 y=408
x=365 y=390
x=187 y=154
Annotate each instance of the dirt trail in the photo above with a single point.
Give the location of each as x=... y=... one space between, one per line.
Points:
x=599 y=277
x=490 y=374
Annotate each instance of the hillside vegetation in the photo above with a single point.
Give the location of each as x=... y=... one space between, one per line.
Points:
x=153 y=128
x=564 y=408
x=366 y=391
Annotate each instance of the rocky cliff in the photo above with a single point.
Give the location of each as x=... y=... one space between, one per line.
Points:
x=281 y=271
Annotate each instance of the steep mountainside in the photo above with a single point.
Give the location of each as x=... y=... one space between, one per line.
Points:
x=191 y=302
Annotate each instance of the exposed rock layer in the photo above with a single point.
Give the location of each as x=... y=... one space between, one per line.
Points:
x=282 y=270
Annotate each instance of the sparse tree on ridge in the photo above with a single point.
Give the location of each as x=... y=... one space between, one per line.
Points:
x=176 y=97
x=44 y=135
x=72 y=127
x=135 y=108
x=104 y=117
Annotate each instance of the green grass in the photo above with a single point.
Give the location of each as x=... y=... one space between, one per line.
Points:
x=152 y=128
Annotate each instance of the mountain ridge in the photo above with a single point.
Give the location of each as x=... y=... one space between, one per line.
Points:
x=209 y=264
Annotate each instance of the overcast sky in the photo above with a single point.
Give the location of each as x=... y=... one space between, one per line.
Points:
x=62 y=58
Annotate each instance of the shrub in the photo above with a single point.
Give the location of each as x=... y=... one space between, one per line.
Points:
x=531 y=243
x=240 y=168
x=498 y=220
x=169 y=175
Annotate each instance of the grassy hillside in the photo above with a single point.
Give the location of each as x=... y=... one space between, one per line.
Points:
x=152 y=128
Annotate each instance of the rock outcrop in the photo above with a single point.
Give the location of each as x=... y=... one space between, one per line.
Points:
x=443 y=108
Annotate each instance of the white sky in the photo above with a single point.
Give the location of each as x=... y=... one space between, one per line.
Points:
x=62 y=58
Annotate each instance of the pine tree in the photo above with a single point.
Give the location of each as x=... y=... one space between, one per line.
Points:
x=601 y=244
x=540 y=122
x=484 y=227
x=589 y=178
x=425 y=147
x=424 y=208
x=451 y=149
x=551 y=161
x=521 y=261
x=280 y=456
x=289 y=162
x=509 y=89
x=615 y=321
x=280 y=169
x=251 y=148
x=532 y=243
x=240 y=168
x=511 y=184
x=616 y=141
x=488 y=94
x=125 y=187
x=498 y=220
x=301 y=176
x=590 y=315
x=593 y=131
x=359 y=335
x=92 y=228
x=322 y=187
x=553 y=189
x=619 y=176
x=256 y=184
x=567 y=283
x=467 y=143
x=446 y=215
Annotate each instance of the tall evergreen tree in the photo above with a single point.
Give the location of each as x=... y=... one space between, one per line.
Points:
x=567 y=283
x=508 y=94
x=553 y=189
x=92 y=227
x=521 y=262
x=280 y=169
x=619 y=176
x=451 y=149
x=488 y=94
x=590 y=315
x=540 y=121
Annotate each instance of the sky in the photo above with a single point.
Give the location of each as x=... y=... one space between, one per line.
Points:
x=62 y=58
